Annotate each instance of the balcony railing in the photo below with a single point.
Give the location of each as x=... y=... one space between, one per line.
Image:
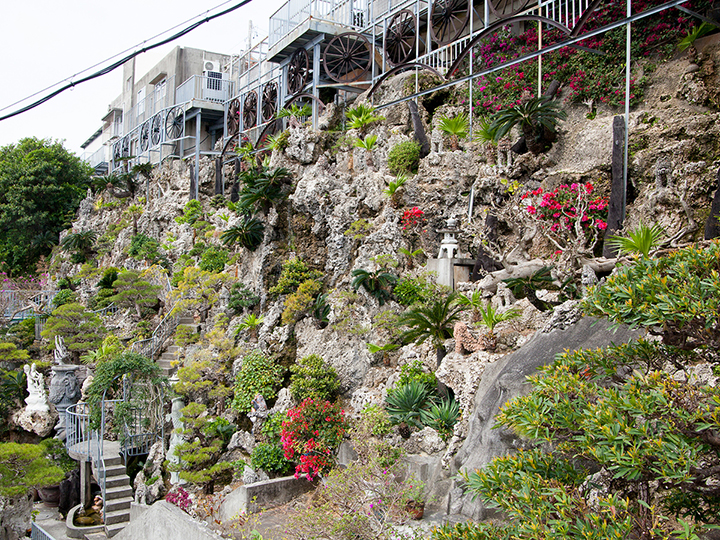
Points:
x=205 y=89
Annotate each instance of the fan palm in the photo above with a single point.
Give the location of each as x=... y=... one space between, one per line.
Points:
x=456 y=128
x=537 y=118
x=642 y=240
x=434 y=321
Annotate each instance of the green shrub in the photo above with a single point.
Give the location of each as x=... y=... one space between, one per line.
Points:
x=213 y=259
x=416 y=290
x=144 y=248
x=299 y=302
x=375 y=420
x=294 y=272
x=270 y=458
x=108 y=278
x=442 y=417
x=192 y=212
x=23 y=333
x=415 y=371
x=241 y=297
x=404 y=158
x=185 y=335
x=405 y=403
x=64 y=296
x=312 y=377
x=259 y=374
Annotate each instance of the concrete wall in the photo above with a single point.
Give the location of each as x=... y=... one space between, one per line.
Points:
x=267 y=494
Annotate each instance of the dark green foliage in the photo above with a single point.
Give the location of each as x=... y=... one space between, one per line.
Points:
x=376 y=283
x=321 y=310
x=144 y=248
x=312 y=377
x=221 y=428
x=537 y=118
x=81 y=329
x=416 y=290
x=442 y=417
x=57 y=453
x=405 y=403
x=241 y=297
x=13 y=385
x=404 y=158
x=41 y=185
x=64 y=296
x=80 y=244
x=193 y=211
x=249 y=234
x=261 y=187
x=527 y=287
x=259 y=374
x=218 y=201
x=22 y=333
x=24 y=466
x=270 y=458
x=108 y=278
x=134 y=291
x=213 y=259
x=294 y=272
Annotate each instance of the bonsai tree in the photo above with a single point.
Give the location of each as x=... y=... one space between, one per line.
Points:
x=81 y=329
x=537 y=118
x=135 y=292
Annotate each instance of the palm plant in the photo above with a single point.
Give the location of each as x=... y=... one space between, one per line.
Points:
x=295 y=114
x=250 y=323
x=261 y=187
x=456 y=128
x=642 y=240
x=491 y=318
x=321 y=310
x=249 y=233
x=406 y=403
x=375 y=283
x=393 y=188
x=537 y=118
x=411 y=256
x=361 y=116
x=367 y=144
x=474 y=302
x=81 y=243
x=434 y=321
x=384 y=349
x=442 y=417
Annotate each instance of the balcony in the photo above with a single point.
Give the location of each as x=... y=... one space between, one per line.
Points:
x=213 y=91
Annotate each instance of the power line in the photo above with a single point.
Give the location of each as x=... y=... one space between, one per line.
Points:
x=118 y=63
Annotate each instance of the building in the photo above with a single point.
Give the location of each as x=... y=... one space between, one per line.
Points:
x=174 y=110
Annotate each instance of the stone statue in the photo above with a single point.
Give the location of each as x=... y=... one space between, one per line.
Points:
x=64 y=392
x=61 y=352
x=258 y=411
x=37 y=400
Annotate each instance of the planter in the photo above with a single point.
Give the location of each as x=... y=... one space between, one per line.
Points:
x=79 y=531
x=50 y=495
x=415 y=509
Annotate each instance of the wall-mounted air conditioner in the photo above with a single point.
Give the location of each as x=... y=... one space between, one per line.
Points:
x=211 y=65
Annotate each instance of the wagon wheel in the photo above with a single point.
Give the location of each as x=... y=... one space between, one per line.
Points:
x=145 y=136
x=448 y=19
x=233 y=118
x=507 y=8
x=400 y=37
x=347 y=57
x=174 y=123
x=269 y=101
x=298 y=71
x=125 y=147
x=156 y=129
x=249 y=114
x=260 y=145
x=117 y=151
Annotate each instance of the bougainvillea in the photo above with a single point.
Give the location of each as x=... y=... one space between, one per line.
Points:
x=413 y=220
x=311 y=433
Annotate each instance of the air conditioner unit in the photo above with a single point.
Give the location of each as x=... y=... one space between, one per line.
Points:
x=210 y=65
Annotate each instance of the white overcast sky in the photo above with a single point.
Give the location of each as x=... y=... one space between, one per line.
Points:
x=43 y=42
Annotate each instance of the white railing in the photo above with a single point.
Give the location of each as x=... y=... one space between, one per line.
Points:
x=205 y=89
x=350 y=13
x=440 y=59
x=565 y=12
x=96 y=158
x=32 y=300
x=38 y=533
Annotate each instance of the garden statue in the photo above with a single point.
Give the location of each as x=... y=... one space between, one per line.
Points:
x=449 y=244
x=37 y=400
x=175 y=437
x=258 y=411
x=61 y=352
x=64 y=392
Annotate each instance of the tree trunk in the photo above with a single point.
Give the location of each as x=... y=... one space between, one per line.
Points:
x=534 y=143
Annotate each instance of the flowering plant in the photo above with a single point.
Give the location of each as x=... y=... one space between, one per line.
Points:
x=413 y=220
x=311 y=432
x=570 y=216
x=179 y=497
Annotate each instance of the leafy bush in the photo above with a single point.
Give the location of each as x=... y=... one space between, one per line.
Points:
x=213 y=259
x=143 y=247
x=377 y=419
x=131 y=290
x=404 y=158
x=191 y=213
x=249 y=234
x=312 y=377
x=241 y=297
x=81 y=329
x=64 y=296
x=300 y=301
x=294 y=272
x=270 y=458
x=259 y=374
x=415 y=371
x=312 y=431
x=415 y=290
x=186 y=335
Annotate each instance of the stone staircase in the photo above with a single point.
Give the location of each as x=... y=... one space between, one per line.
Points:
x=169 y=355
x=118 y=492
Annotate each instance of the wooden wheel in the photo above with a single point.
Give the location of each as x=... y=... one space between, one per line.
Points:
x=400 y=37
x=249 y=114
x=448 y=19
x=156 y=129
x=145 y=136
x=269 y=101
x=174 y=123
x=347 y=57
x=260 y=145
x=117 y=151
x=125 y=147
x=233 y=117
x=298 y=71
x=507 y=8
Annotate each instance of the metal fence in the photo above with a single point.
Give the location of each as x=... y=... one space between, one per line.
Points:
x=213 y=89
x=38 y=533
x=350 y=13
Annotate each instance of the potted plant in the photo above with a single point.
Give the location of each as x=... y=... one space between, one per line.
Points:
x=56 y=453
x=414 y=500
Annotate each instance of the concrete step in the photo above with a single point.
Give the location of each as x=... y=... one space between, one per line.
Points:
x=122 y=503
x=117 y=481
x=115 y=470
x=118 y=492
x=112 y=461
x=187 y=321
x=112 y=530
x=172 y=349
x=117 y=516
x=96 y=536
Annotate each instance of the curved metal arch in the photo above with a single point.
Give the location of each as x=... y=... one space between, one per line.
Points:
x=321 y=105
x=398 y=69
x=499 y=24
x=582 y=21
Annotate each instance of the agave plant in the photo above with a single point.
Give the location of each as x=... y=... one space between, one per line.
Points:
x=361 y=116
x=442 y=417
x=405 y=403
x=642 y=240
x=321 y=310
x=456 y=128
x=249 y=234
x=537 y=118
x=375 y=283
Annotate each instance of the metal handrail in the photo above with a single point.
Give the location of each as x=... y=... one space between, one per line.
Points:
x=38 y=533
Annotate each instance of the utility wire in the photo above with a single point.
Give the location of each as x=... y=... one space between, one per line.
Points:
x=118 y=63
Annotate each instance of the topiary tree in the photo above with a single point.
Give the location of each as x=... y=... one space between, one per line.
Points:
x=82 y=330
x=131 y=290
x=198 y=290
x=312 y=377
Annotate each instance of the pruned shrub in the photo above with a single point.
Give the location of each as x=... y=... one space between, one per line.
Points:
x=312 y=377
x=259 y=374
x=404 y=158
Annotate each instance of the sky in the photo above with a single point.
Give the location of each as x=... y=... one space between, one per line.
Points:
x=43 y=42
